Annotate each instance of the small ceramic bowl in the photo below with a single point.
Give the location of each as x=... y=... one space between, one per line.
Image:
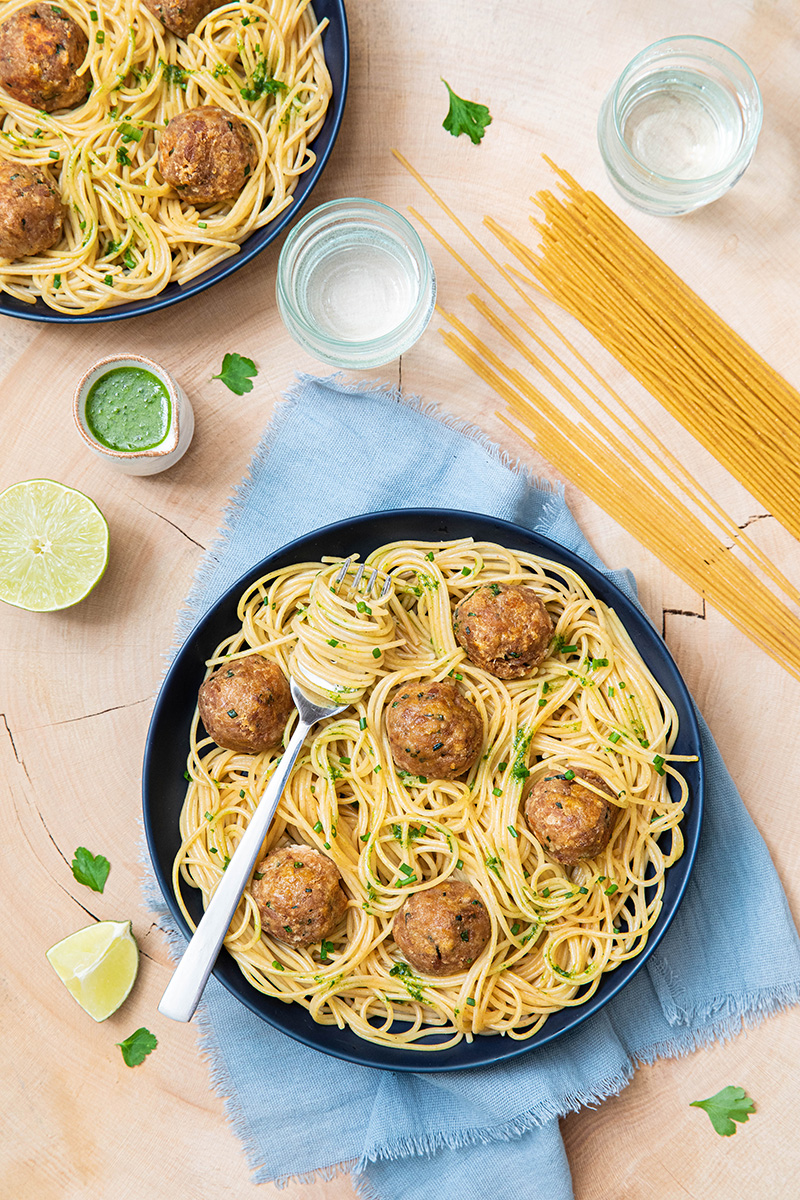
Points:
x=157 y=458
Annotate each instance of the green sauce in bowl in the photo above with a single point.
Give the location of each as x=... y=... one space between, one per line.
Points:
x=128 y=408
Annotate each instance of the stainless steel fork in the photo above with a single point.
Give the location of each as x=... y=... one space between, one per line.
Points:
x=190 y=977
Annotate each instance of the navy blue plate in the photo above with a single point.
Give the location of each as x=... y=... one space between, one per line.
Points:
x=164 y=786
x=337 y=56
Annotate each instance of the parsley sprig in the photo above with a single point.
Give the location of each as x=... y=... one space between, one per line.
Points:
x=236 y=372
x=466 y=116
x=729 y=1105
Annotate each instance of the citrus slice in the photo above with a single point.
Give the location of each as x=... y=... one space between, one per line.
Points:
x=98 y=965
x=53 y=545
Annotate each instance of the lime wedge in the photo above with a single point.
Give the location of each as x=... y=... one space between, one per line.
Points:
x=53 y=545
x=98 y=965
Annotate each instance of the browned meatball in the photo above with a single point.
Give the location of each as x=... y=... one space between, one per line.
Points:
x=299 y=895
x=206 y=154
x=571 y=822
x=180 y=16
x=245 y=704
x=504 y=628
x=443 y=929
x=41 y=48
x=433 y=730
x=31 y=212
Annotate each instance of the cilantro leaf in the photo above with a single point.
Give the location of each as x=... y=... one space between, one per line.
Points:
x=465 y=116
x=136 y=1048
x=235 y=372
x=729 y=1105
x=90 y=869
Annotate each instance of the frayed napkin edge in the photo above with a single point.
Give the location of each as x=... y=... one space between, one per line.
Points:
x=191 y=608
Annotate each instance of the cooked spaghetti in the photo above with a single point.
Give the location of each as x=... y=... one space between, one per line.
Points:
x=592 y=704
x=126 y=233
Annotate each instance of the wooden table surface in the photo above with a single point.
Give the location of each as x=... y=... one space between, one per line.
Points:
x=77 y=688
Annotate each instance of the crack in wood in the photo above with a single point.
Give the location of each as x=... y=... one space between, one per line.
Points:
x=680 y=612
x=14 y=746
x=88 y=716
x=161 y=517
x=757 y=517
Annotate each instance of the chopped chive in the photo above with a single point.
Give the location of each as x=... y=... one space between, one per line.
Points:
x=658 y=763
x=213 y=850
x=429 y=556
x=513 y=831
x=333 y=642
x=366 y=836
x=318 y=827
x=502 y=766
x=108 y=281
x=186 y=775
x=99 y=37
x=457 y=676
x=53 y=154
x=546 y=891
x=202 y=225
x=56 y=282
x=208 y=816
x=326 y=845
x=569 y=649
x=583 y=891
x=404 y=867
x=466 y=570
x=470 y=1001
x=599 y=662
x=92 y=15
x=515 y=928
x=241 y=793
x=614 y=737
x=376 y=653
x=403 y=882
x=611 y=692
x=362 y=722
x=569 y=774
x=377 y=768
x=612 y=887
x=346 y=761
x=542 y=703
x=278 y=966
x=497 y=791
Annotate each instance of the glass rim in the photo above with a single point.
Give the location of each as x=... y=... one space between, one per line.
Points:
x=750 y=135
x=426 y=292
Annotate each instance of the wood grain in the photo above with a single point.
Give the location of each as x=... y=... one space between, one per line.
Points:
x=77 y=688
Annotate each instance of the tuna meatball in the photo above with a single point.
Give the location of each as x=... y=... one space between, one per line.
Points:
x=206 y=154
x=41 y=48
x=433 y=730
x=31 y=212
x=299 y=895
x=245 y=704
x=180 y=16
x=571 y=821
x=444 y=929
x=504 y=628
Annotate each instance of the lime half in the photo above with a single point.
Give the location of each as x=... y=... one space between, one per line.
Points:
x=98 y=964
x=53 y=545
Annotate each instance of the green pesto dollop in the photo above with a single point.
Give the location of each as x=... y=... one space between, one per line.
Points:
x=128 y=408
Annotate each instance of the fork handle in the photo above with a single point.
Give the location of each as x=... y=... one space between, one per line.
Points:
x=184 y=990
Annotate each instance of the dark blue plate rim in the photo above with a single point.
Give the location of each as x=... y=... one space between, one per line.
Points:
x=173 y=293
x=163 y=785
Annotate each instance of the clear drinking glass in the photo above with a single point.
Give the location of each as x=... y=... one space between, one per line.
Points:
x=355 y=285
x=680 y=125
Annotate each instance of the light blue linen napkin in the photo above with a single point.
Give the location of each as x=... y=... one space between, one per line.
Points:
x=333 y=452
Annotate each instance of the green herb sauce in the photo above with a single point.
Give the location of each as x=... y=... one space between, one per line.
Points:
x=128 y=408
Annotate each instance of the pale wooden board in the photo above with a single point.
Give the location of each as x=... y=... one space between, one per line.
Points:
x=76 y=689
